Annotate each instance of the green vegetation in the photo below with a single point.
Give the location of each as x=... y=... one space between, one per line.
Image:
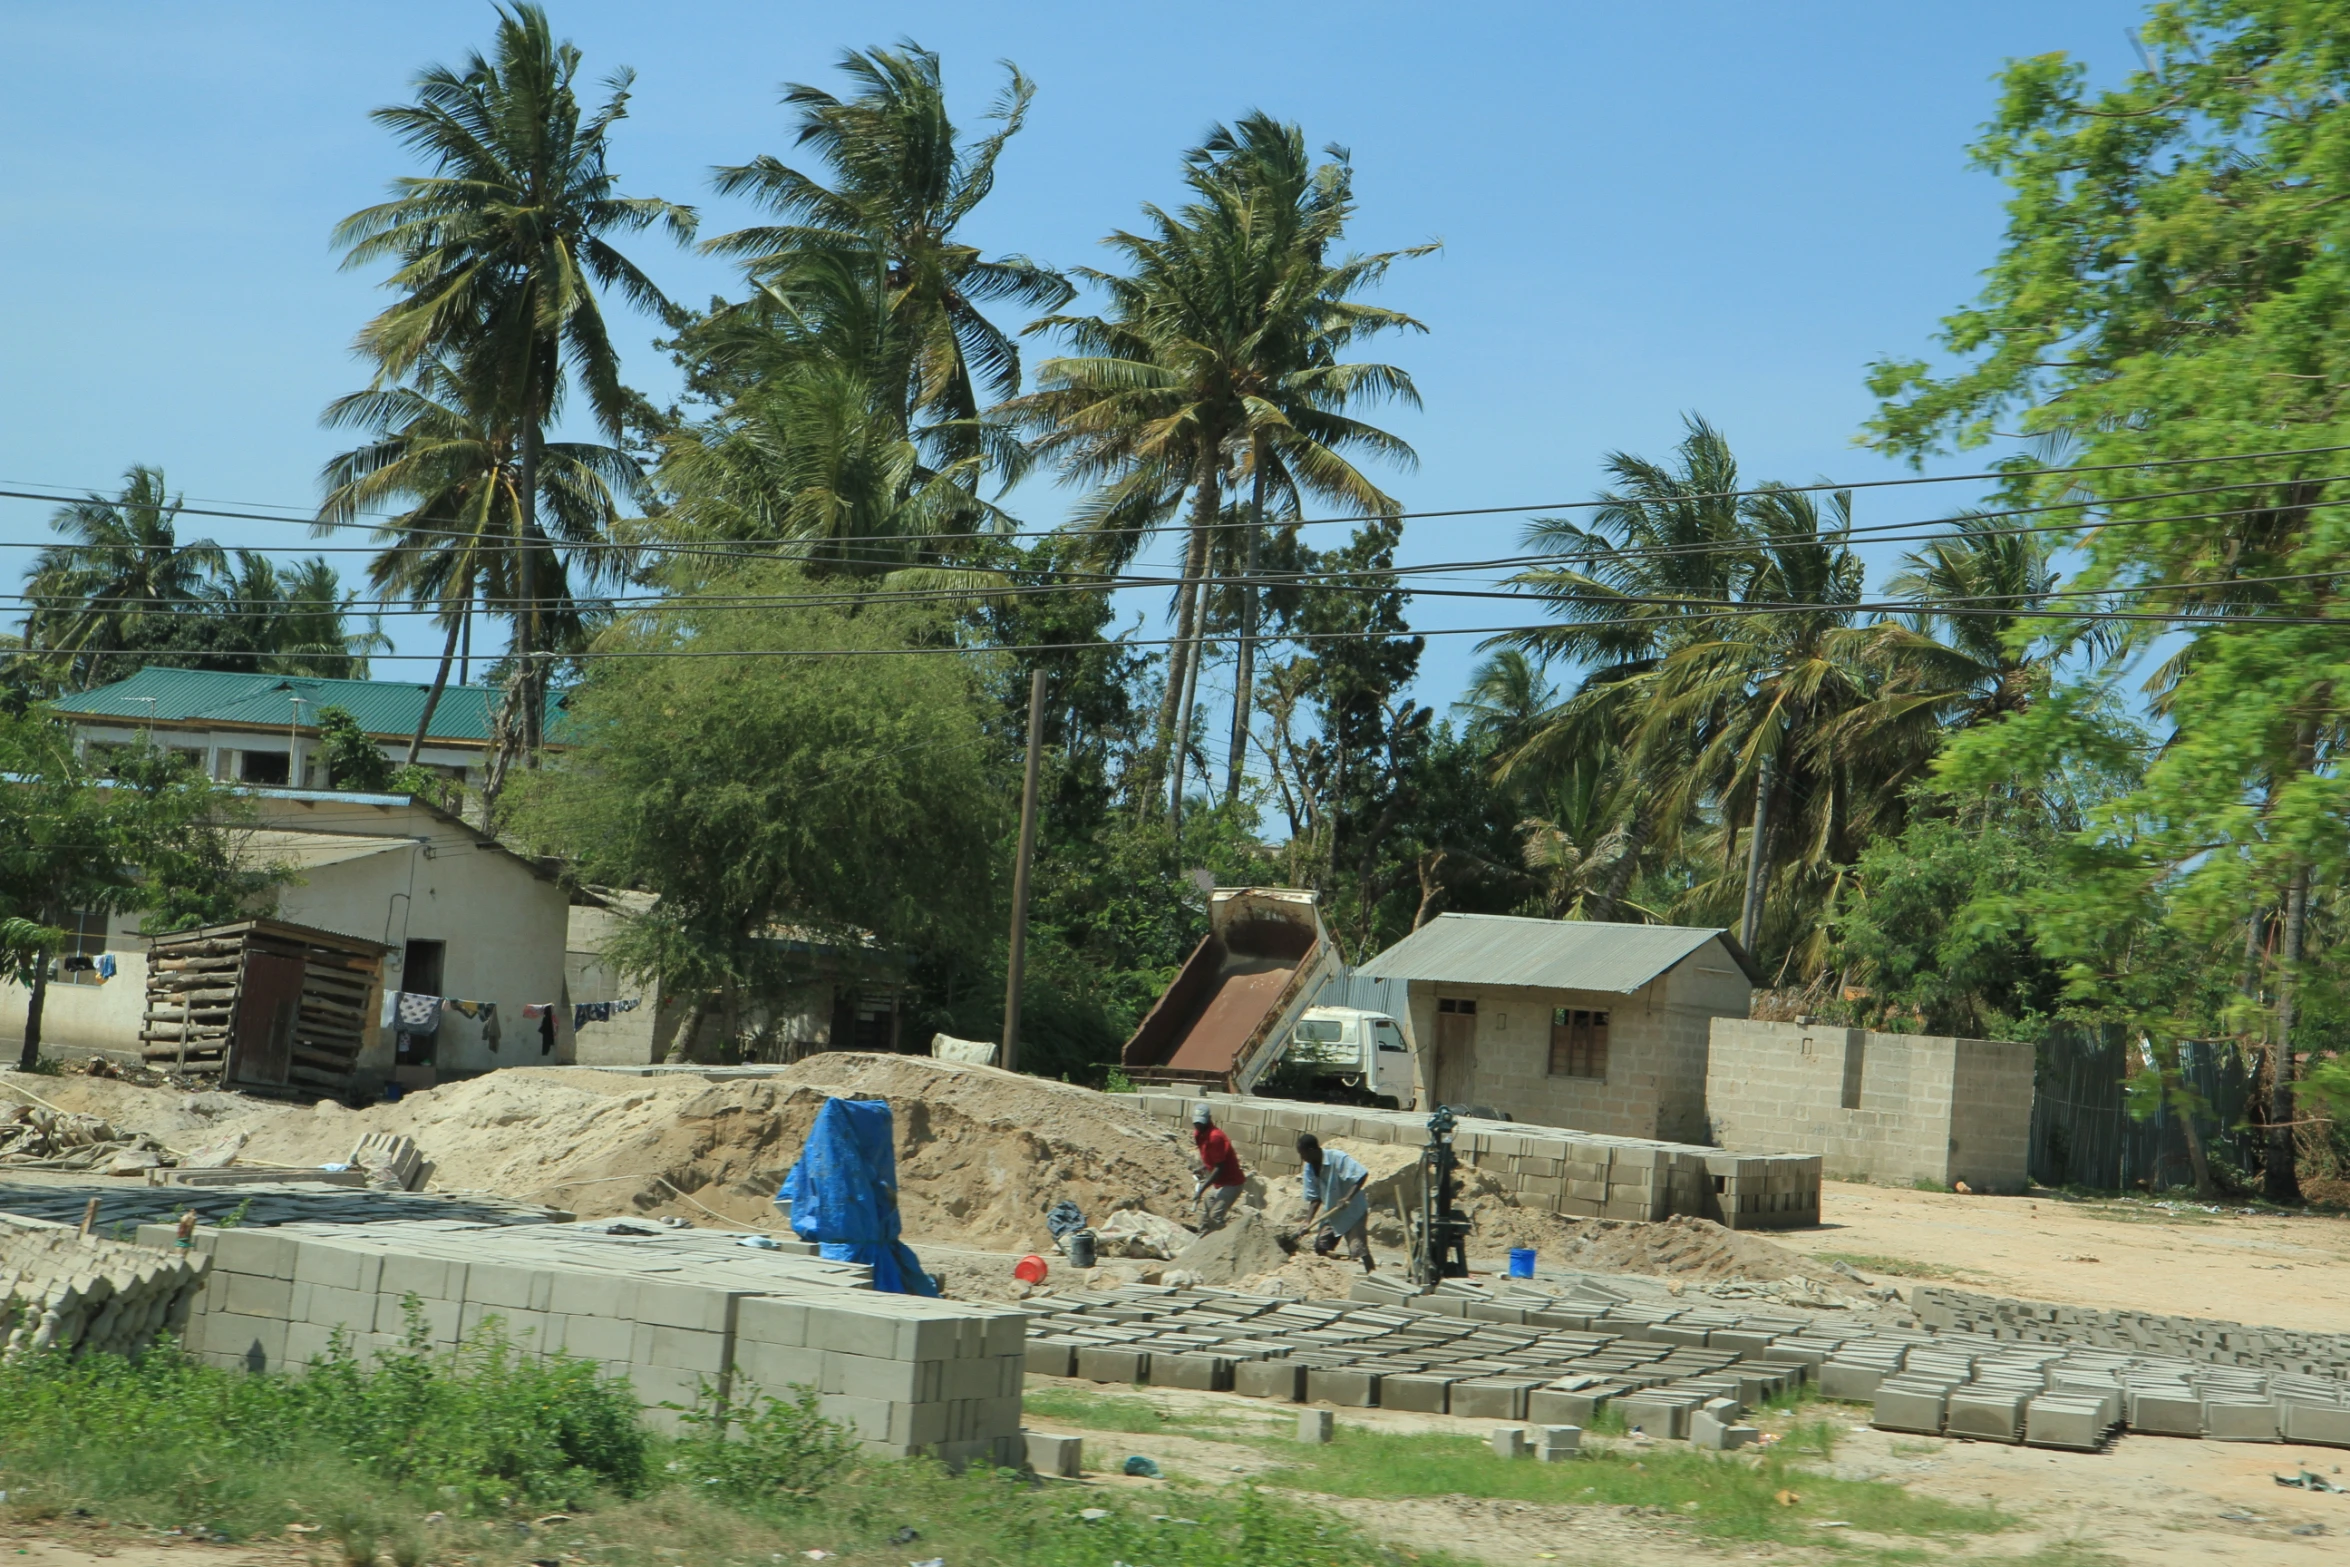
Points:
x=490 y=1450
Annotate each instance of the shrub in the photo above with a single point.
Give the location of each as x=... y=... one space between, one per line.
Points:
x=761 y=1448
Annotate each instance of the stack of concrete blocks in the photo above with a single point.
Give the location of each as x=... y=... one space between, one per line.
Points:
x=684 y=1315
x=2199 y=1339
x=1579 y=1174
x=65 y=1292
x=1896 y=1108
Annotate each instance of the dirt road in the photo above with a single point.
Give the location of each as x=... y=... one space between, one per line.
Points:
x=2275 y=1270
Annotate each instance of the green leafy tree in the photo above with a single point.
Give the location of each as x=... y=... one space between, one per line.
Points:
x=772 y=802
x=113 y=588
x=353 y=761
x=497 y=255
x=2171 y=288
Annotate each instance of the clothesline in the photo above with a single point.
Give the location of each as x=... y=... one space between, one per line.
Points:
x=412 y=1014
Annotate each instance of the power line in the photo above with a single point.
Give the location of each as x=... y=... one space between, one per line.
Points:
x=385 y=520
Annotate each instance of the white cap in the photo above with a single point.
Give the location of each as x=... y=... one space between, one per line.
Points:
x=1199 y=1114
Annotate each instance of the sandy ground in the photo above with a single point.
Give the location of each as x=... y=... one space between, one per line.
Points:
x=2290 y=1271
x=2145 y=1499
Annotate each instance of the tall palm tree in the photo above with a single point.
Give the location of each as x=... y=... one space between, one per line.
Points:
x=448 y=469
x=114 y=587
x=1219 y=359
x=902 y=180
x=296 y=618
x=499 y=252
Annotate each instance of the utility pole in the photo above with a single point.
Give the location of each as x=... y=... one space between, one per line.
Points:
x=1009 y=1057
x=1750 y=918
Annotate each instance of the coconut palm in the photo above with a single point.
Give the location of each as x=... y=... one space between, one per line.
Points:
x=115 y=587
x=296 y=617
x=446 y=472
x=498 y=254
x=902 y=180
x=1220 y=360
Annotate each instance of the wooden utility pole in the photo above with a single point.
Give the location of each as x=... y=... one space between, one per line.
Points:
x=1009 y=1057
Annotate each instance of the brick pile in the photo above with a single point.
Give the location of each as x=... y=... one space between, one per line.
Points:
x=2203 y=1340
x=674 y=1311
x=69 y=1293
x=1559 y=1357
x=1577 y=1174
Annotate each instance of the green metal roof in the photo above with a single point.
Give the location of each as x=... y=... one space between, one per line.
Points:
x=388 y=708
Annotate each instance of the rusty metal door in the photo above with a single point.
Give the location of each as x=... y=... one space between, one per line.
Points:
x=268 y=1003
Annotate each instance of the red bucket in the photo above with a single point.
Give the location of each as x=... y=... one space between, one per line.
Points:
x=1030 y=1269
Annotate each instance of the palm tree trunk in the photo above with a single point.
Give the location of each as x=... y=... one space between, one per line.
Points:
x=432 y=699
x=29 y=1058
x=2206 y=1189
x=1205 y=504
x=526 y=624
x=1757 y=862
x=1244 y=673
x=1182 y=756
x=2280 y=1182
x=465 y=648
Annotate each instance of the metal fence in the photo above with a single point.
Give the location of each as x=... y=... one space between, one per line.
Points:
x=2084 y=1135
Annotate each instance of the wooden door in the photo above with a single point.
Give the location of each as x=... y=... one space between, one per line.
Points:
x=269 y=1000
x=1456 y=1051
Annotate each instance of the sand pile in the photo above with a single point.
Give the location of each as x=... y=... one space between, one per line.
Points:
x=1696 y=1250
x=981 y=1152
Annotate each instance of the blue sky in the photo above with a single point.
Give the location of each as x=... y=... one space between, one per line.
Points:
x=1726 y=208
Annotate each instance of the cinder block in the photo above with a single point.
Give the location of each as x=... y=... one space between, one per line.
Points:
x=1113 y=1365
x=1509 y=1441
x=1657 y=1414
x=431 y=1278
x=1850 y=1380
x=1055 y=1455
x=2324 y=1425
x=1708 y=1430
x=1051 y=1358
x=1202 y=1373
x=1281 y=1379
x=891 y=1381
x=1557 y=1407
x=705 y=1311
x=1346 y=1387
x=2057 y=1420
x=868 y=1417
x=306 y=1342
x=1555 y=1443
x=258 y=1295
x=2229 y=1421
x=336 y=1267
x=768 y=1320
x=440 y=1317
x=777 y=1368
x=1422 y=1394
x=593 y=1338
x=1315 y=1425
x=247 y=1343
x=588 y=1295
x=1914 y=1408
x=262 y=1252
x=1491 y=1398
x=329 y=1307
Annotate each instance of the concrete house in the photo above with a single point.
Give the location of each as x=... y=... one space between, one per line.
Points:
x=263 y=729
x=464 y=917
x=1570 y=1023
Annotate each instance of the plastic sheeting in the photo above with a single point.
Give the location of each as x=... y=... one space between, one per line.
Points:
x=844 y=1195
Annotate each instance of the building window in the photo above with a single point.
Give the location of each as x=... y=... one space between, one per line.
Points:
x=1456 y=1004
x=1578 y=1043
x=262 y=767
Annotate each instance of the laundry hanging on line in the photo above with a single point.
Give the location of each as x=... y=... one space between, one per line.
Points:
x=105 y=967
x=493 y=1033
x=416 y=1013
x=586 y=1012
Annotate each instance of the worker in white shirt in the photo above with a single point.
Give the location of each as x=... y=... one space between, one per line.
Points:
x=1334 y=1183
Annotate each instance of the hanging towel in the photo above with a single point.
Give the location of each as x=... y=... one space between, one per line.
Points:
x=538 y=1009
x=465 y=1008
x=587 y=1012
x=106 y=966
x=547 y=1029
x=630 y=1005
x=492 y=1033
x=419 y=1014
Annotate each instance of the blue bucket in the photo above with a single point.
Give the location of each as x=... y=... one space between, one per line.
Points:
x=1521 y=1262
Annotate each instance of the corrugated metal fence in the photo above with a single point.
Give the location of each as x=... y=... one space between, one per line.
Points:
x=2084 y=1135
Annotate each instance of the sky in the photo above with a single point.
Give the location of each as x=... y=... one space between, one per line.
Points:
x=1645 y=211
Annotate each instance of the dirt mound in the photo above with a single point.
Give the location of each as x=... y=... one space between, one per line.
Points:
x=1696 y=1250
x=1242 y=1247
x=981 y=1152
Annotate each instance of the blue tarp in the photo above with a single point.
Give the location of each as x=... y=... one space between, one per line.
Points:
x=844 y=1195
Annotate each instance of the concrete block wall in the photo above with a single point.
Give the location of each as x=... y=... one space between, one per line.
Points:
x=1882 y=1107
x=2207 y=1341
x=673 y=1312
x=1578 y=1174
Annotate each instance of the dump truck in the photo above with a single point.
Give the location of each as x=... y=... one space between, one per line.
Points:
x=1230 y=1013
x=1344 y=1055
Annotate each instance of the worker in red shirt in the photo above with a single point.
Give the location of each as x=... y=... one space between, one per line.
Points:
x=1219 y=1169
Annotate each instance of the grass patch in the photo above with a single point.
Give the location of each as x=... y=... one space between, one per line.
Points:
x=1139 y=1415
x=492 y=1454
x=1727 y=1498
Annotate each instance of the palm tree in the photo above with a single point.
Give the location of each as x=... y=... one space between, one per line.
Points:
x=499 y=252
x=295 y=618
x=448 y=468
x=902 y=181
x=1220 y=360
x=1971 y=668
x=115 y=587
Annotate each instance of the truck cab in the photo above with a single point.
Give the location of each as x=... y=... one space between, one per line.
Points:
x=1347 y=1055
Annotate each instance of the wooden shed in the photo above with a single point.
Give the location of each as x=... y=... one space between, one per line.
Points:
x=261 y=1004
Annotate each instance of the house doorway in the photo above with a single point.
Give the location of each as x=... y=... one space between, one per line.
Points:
x=1456 y=1050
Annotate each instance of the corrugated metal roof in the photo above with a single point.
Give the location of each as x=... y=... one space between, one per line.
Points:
x=1507 y=949
x=310 y=850
x=386 y=708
